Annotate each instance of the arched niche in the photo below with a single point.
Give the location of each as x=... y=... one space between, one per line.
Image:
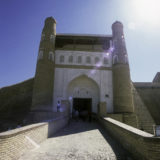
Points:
x=84 y=87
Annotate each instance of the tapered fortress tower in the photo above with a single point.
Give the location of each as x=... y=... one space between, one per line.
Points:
x=122 y=96
x=76 y=70
x=44 y=77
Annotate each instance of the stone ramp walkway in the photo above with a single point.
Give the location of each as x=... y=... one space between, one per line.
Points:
x=78 y=141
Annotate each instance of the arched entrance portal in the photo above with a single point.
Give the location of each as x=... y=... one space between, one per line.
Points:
x=83 y=92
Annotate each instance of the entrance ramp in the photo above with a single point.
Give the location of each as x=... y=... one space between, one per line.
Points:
x=79 y=141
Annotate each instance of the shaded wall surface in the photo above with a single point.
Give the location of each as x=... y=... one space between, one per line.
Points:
x=15 y=103
x=150 y=95
x=142 y=145
x=18 y=141
x=145 y=119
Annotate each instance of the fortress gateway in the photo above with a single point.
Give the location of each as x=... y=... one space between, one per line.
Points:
x=82 y=70
x=89 y=73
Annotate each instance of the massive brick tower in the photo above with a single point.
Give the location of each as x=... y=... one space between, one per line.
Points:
x=44 y=77
x=122 y=96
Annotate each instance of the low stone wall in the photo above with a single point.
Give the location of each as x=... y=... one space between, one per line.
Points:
x=143 y=145
x=15 y=142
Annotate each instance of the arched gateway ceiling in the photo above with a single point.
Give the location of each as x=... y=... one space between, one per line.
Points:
x=84 y=87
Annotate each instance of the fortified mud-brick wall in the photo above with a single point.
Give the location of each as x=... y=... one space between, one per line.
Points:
x=15 y=103
x=145 y=120
x=150 y=95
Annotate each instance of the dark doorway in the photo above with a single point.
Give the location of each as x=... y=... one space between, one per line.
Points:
x=82 y=104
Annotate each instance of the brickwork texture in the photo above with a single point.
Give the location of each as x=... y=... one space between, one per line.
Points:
x=142 y=145
x=15 y=142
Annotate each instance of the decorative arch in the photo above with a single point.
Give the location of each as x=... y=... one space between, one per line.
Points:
x=88 y=59
x=61 y=59
x=51 y=56
x=84 y=87
x=105 y=60
x=97 y=60
x=79 y=59
x=115 y=59
x=70 y=59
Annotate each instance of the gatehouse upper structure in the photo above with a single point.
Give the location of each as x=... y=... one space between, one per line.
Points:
x=88 y=70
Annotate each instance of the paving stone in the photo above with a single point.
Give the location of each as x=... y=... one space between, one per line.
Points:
x=78 y=141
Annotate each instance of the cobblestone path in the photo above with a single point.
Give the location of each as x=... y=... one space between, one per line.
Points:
x=78 y=141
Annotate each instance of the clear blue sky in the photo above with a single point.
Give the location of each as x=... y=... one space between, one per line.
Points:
x=21 y=23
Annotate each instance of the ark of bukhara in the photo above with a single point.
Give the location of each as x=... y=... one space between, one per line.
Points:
x=83 y=69
x=90 y=72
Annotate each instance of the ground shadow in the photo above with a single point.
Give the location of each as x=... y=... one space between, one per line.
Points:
x=75 y=127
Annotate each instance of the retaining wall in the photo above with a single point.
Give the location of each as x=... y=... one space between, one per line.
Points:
x=15 y=142
x=142 y=145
